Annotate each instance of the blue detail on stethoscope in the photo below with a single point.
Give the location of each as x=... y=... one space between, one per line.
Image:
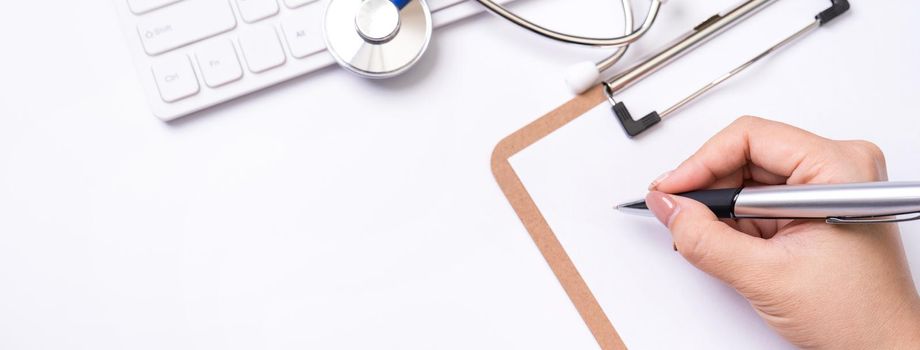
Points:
x=400 y=3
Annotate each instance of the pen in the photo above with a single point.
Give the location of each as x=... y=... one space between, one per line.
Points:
x=854 y=203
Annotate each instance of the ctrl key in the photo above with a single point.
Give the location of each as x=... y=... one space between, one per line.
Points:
x=175 y=78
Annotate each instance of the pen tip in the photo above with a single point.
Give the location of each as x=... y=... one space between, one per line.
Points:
x=636 y=204
x=635 y=207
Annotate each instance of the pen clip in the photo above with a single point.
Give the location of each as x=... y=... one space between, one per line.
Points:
x=872 y=219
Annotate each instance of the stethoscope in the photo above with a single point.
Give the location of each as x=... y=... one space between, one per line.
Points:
x=383 y=38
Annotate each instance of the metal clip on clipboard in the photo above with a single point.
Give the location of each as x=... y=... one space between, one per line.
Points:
x=701 y=33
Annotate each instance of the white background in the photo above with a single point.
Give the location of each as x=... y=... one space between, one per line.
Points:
x=331 y=212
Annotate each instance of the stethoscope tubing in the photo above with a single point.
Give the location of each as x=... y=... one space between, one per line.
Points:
x=576 y=39
x=631 y=34
x=628 y=20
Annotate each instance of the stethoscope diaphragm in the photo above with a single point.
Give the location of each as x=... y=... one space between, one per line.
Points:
x=377 y=38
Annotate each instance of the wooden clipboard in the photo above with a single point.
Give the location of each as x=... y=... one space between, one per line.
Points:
x=535 y=223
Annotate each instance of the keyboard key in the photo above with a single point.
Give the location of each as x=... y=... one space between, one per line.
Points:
x=296 y=3
x=262 y=49
x=139 y=7
x=218 y=63
x=256 y=10
x=175 y=78
x=304 y=31
x=184 y=23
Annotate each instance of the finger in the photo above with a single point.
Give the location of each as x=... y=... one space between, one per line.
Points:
x=743 y=227
x=765 y=177
x=774 y=147
x=756 y=227
x=706 y=242
x=734 y=180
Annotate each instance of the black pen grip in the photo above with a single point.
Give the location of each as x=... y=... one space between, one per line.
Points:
x=721 y=202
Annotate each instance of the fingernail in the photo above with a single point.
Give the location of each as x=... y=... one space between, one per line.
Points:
x=663 y=206
x=658 y=180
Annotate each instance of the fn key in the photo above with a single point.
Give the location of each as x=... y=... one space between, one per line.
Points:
x=175 y=78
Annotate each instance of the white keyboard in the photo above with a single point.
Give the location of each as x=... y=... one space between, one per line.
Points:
x=194 y=54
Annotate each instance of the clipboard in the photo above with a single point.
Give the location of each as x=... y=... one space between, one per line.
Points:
x=522 y=201
x=535 y=223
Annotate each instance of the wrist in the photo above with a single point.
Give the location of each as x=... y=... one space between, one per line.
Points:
x=902 y=331
x=898 y=328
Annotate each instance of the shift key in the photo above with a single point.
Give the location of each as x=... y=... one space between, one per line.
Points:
x=184 y=23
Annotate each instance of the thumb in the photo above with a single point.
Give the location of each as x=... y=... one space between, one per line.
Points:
x=707 y=243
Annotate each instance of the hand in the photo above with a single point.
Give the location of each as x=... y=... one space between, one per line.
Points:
x=818 y=285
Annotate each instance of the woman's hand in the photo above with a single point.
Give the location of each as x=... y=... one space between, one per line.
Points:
x=818 y=285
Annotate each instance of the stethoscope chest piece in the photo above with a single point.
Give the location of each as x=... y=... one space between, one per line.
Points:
x=377 y=38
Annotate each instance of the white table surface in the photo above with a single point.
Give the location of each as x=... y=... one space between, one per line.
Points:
x=327 y=212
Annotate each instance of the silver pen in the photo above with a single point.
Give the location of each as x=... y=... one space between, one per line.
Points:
x=853 y=203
